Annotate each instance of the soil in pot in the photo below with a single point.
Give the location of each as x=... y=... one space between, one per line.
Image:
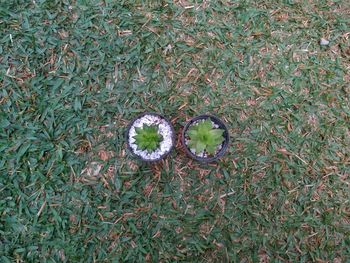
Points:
x=165 y=130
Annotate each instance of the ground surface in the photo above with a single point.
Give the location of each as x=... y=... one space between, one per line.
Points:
x=73 y=73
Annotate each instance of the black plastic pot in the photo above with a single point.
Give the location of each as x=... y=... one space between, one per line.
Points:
x=140 y=157
x=221 y=125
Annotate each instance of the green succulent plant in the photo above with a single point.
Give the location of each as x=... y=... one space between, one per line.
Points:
x=204 y=137
x=147 y=138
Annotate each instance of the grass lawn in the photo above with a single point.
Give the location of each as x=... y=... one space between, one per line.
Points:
x=73 y=73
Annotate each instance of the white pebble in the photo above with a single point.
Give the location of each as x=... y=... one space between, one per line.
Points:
x=324 y=42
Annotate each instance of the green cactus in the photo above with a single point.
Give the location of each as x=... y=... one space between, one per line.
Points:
x=204 y=137
x=147 y=138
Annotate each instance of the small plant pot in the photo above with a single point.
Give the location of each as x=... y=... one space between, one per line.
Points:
x=224 y=145
x=165 y=129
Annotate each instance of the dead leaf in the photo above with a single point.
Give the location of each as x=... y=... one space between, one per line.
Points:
x=284 y=151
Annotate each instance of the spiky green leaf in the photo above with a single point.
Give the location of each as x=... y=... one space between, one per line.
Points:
x=148 y=138
x=203 y=136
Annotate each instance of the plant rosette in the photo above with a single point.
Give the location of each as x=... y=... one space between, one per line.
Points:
x=205 y=138
x=150 y=137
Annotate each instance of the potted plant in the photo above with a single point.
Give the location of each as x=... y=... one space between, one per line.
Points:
x=150 y=137
x=205 y=138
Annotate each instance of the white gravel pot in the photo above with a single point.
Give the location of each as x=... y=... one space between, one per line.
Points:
x=164 y=128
